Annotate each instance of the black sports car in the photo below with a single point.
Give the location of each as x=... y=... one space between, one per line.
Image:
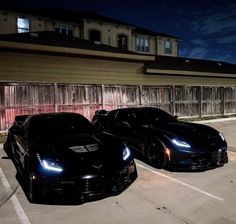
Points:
x=61 y=154
x=163 y=140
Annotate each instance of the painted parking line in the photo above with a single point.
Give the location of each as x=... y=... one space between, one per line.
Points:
x=17 y=206
x=180 y=182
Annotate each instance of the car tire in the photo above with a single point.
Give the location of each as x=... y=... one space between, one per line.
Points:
x=155 y=153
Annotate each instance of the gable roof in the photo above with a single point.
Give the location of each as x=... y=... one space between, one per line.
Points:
x=49 y=41
x=57 y=39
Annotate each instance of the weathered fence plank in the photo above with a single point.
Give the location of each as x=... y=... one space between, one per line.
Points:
x=184 y=101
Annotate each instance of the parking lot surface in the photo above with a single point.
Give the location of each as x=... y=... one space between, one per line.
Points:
x=157 y=196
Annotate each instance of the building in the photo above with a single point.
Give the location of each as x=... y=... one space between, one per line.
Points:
x=90 y=26
x=53 y=62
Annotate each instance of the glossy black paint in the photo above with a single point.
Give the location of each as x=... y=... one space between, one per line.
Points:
x=147 y=127
x=92 y=162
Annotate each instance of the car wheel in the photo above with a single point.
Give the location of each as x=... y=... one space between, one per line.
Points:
x=155 y=153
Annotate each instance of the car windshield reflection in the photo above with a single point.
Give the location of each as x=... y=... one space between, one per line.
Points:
x=42 y=128
x=152 y=117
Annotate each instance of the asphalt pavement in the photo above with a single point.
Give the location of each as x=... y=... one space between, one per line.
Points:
x=157 y=196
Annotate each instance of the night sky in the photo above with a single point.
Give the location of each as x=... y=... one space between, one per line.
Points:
x=206 y=28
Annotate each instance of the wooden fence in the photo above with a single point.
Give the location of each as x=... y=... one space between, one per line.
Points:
x=184 y=101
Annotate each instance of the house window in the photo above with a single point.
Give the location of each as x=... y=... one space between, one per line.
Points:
x=142 y=44
x=64 y=29
x=95 y=35
x=168 y=47
x=122 y=42
x=23 y=25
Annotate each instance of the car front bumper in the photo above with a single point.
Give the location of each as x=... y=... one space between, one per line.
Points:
x=85 y=187
x=198 y=160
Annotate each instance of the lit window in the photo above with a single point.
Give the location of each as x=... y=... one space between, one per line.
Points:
x=168 y=47
x=23 y=25
x=142 y=44
x=64 y=29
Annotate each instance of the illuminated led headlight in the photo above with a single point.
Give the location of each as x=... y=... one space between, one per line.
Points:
x=180 y=143
x=49 y=165
x=126 y=153
x=222 y=136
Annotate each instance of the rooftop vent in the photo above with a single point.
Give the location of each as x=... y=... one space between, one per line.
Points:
x=97 y=42
x=34 y=34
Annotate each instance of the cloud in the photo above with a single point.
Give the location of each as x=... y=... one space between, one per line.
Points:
x=230 y=39
x=183 y=52
x=198 y=52
x=216 y=21
x=200 y=42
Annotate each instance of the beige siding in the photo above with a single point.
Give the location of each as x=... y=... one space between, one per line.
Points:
x=36 y=24
x=7 y=23
x=109 y=32
x=27 y=67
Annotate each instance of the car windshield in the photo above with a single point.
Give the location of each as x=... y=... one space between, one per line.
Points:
x=152 y=116
x=42 y=127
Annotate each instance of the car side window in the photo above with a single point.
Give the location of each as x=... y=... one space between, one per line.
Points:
x=126 y=117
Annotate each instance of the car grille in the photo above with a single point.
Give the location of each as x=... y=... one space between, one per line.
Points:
x=100 y=184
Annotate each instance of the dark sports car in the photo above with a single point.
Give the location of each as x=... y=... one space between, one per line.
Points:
x=163 y=140
x=61 y=154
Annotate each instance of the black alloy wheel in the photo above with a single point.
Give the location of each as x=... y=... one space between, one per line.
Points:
x=155 y=153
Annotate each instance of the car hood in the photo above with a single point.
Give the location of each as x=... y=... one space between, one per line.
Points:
x=196 y=134
x=84 y=152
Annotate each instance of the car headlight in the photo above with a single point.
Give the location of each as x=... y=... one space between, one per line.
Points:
x=126 y=153
x=180 y=143
x=49 y=165
x=222 y=136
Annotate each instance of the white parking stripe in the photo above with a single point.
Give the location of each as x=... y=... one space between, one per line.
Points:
x=180 y=182
x=19 y=210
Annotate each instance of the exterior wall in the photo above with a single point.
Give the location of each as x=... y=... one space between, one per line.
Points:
x=157 y=45
x=161 y=46
x=109 y=32
x=8 y=23
x=62 y=69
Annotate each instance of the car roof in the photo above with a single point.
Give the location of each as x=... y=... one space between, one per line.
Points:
x=127 y=109
x=135 y=108
x=55 y=115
